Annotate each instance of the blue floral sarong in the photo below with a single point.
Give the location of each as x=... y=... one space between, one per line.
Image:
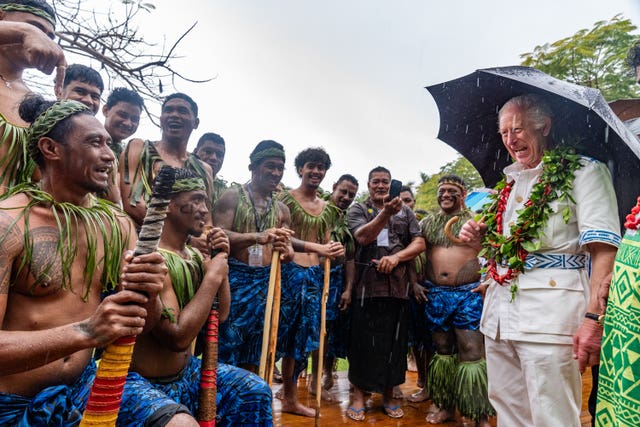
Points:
x=63 y=405
x=243 y=398
x=455 y=306
x=300 y=310
x=240 y=336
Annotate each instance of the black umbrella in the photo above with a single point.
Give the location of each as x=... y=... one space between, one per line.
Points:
x=469 y=107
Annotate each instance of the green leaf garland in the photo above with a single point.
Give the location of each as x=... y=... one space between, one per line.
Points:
x=555 y=183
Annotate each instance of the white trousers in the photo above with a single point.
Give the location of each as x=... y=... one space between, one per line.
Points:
x=533 y=384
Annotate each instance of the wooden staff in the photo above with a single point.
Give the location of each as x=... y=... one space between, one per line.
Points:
x=106 y=392
x=323 y=334
x=209 y=372
x=268 y=317
x=275 y=322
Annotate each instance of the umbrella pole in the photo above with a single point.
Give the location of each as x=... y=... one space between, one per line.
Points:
x=323 y=334
x=275 y=258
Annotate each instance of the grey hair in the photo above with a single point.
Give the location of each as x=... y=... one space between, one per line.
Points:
x=533 y=105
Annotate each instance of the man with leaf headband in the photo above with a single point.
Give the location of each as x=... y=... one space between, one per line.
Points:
x=164 y=355
x=61 y=251
x=451 y=314
x=26 y=41
x=257 y=225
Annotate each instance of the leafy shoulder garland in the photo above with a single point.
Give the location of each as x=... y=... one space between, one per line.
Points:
x=311 y=227
x=555 y=183
x=102 y=219
x=185 y=275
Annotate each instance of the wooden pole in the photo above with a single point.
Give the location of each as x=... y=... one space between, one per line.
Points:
x=275 y=264
x=275 y=321
x=323 y=334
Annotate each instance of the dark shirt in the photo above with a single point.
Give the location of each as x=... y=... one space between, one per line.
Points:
x=403 y=228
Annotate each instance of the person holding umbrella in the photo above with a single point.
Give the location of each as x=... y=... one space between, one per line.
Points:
x=553 y=210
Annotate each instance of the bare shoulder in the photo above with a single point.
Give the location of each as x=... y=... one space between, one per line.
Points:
x=284 y=215
x=134 y=148
x=228 y=200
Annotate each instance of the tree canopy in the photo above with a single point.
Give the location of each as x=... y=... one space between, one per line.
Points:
x=593 y=57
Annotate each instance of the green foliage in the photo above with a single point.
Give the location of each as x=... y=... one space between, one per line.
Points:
x=594 y=57
x=426 y=195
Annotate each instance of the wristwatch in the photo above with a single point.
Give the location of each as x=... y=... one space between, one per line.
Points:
x=596 y=317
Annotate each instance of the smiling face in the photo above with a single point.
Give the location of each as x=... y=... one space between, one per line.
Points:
x=177 y=120
x=312 y=174
x=188 y=212
x=266 y=175
x=450 y=198
x=343 y=194
x=524 y=139
x=121 y=120
x=378 y=185
x=86 y=156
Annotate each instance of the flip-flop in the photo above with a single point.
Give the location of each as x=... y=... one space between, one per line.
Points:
x=355 y=414
x=393 y=411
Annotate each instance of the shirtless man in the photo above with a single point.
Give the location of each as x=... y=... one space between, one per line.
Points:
x=256 y=224
x=453 y=308
x=82 y=84
x=141 y=160
x=51 y=306
x=311 y=220
x=121 y=119
x=26 y=40
x=164 y=356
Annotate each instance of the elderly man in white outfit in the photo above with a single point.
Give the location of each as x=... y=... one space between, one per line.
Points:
x=538 y=319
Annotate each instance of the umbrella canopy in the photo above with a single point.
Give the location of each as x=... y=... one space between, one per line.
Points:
x=469 y=108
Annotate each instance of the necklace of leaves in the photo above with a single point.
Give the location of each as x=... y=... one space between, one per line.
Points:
x=555 y=183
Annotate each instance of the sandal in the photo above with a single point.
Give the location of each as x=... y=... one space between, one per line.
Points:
x=355 y=414
x=393 y=411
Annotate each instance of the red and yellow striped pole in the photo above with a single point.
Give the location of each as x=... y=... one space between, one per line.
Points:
x=106 y=392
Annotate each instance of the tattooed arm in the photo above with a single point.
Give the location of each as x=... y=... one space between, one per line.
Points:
x=68 y=324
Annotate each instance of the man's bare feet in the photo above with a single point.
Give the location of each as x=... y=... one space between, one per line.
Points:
x=397 y=393
x=297 y=408
x=443 y=415
x=419 y=396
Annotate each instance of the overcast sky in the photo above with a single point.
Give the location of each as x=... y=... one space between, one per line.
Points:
x=349 y=76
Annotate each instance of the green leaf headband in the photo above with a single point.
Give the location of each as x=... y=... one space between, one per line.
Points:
x=45 y=122
x=14 y=7
x=269 y=152
x=187 y=184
